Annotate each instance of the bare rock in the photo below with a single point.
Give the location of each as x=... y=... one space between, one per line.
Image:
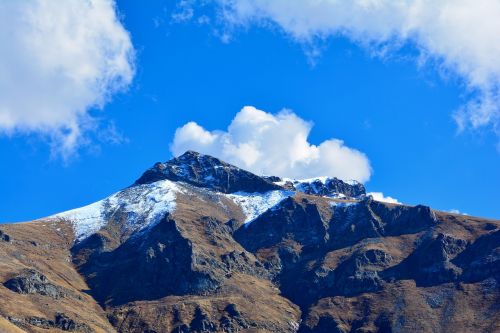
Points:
x=30 y=281
x=209 y=172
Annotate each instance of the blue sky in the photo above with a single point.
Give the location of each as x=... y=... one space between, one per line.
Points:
x=395 y=112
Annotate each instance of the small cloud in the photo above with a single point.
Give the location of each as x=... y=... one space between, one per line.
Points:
x=157 y=22
x=379 y=196
x=203 y=19
x=274 y=144
x=111 y=135
x=456 y=211
x=367 y=124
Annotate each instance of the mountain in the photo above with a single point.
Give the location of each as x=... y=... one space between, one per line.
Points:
x=199 y=245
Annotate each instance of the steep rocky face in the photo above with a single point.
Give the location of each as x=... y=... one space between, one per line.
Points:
x=298 y=220
x=305 y=229
x=159 y=265
x=185 y=250
x=430 y=263
x=207 y=171
x=481 y=260
x=399 y=219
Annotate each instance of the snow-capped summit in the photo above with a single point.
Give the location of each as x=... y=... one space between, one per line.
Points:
x=209 y=172
x=157 y=192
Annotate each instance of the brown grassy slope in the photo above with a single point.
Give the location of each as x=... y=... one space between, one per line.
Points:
x=44 y=246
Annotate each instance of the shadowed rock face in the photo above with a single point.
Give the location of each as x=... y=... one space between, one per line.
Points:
x=300 y=221
x=207 y=171
x=358 y=274
x=296 y=241
x=160 y=262
x=481 y=260
x=152 y=267
x=323 y=225
x=403 y=219
x=430 y=264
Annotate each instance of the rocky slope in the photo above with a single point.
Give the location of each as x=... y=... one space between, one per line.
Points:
x=198 y=245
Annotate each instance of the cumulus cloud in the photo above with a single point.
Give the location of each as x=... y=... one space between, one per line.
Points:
x=379 y=196
x=459 y=37
x=60 y=59
x=274 y=144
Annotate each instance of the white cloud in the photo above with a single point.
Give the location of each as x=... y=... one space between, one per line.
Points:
x=458 y=36
x=60 y=59
x=456 y=211
x=274 y=144
x=379 y=196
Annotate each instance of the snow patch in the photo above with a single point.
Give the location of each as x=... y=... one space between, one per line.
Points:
x=255 y=204
x=343 y=203
x=86 y=220
x=143 y=205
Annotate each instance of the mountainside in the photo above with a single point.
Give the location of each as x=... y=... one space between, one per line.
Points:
x=199 y=245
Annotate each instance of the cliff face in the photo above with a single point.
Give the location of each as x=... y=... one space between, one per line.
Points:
x=198 y=245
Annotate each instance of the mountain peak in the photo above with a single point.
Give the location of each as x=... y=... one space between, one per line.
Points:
x=207 y=171
x=210 y=172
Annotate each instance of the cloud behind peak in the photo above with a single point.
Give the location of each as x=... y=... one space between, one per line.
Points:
x=274 y=144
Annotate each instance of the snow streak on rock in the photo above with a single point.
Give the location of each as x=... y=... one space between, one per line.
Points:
x=255 y=204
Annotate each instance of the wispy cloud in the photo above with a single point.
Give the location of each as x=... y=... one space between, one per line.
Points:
x=184 y=11
x=274 y=144
x=59 y=60
x=460 y=38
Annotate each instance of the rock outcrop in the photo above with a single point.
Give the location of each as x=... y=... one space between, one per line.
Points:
x=4 y=237
x=208 y=172
x=30 y=281
x=60 y=322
